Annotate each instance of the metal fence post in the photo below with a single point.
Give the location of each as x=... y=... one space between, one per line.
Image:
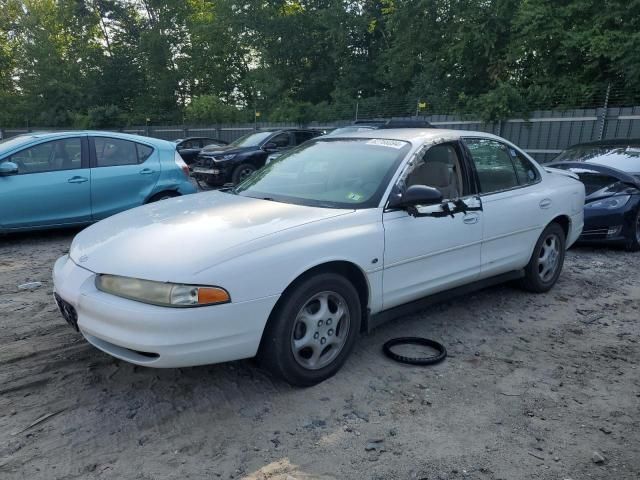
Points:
x=603 y=117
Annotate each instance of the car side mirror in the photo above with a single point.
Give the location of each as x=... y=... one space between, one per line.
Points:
x=270 y=146
x=8 y=168
x=417 y=195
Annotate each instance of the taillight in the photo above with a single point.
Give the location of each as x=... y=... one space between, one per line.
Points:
x=180 y=163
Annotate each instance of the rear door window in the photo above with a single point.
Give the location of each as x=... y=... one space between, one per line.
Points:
x=496 y=171
x=111 y=152
x=302 y=137
x=282 y=140
x=193 y=143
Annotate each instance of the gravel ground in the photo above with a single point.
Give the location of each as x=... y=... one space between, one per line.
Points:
x=535 y=387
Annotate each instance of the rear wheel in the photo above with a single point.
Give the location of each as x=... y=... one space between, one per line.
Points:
x=241 y=172
x=163 y=196
x=543 y=270
x=313 y=330
x=633 y=242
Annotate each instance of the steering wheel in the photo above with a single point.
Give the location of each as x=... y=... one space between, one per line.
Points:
x=362 y=185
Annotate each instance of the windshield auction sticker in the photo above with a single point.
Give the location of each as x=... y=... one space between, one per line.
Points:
x=382 y=142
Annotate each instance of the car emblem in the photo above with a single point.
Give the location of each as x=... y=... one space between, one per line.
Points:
x=83 y=258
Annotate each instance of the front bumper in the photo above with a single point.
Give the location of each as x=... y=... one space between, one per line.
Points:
x=160 y=336
x=609 y=226
x=211 y=172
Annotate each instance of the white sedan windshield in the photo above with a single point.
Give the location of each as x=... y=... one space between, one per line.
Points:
x=340 y=173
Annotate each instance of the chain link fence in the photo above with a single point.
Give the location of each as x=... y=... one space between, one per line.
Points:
x=543 y=133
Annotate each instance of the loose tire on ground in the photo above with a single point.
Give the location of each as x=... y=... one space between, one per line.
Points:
x=387 y=348
x=548 y=254
x=320 y=314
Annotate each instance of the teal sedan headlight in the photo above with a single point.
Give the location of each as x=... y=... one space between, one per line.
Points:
x=162 y=293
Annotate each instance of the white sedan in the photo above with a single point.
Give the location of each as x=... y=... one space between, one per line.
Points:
x=323 y=243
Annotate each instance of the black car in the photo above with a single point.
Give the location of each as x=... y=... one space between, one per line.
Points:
x=236 y=161
x=362 y=125
x=189 y=148
x=610 y=171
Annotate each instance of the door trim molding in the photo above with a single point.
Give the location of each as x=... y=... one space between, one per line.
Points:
x=431 y=254
x=377 y=319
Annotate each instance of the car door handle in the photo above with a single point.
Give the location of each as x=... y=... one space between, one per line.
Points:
x=146 y=171
x=470 y=219
x=78 y=179
x=546 y=203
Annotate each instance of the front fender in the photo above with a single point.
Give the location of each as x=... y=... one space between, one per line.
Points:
x=266 y=266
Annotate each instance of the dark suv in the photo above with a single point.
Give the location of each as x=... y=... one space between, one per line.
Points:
x=234 y=162
x=189 y=148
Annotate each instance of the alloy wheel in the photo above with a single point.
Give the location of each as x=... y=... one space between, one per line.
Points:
x=244 y=173
x=549 y=257
x=320 y=330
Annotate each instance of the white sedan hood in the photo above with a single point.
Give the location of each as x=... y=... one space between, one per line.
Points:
x=172 y=239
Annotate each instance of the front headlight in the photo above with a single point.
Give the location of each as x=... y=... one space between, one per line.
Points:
x=225 y=157
x=610 y=203
x=160 y=293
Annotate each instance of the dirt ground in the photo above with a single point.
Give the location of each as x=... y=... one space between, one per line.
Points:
x=535 y=387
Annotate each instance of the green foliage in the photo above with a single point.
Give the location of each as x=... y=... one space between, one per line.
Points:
x=108 y=63
x=210 y=109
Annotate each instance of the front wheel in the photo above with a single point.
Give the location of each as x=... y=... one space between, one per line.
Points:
x=545 y=265
x=313 y=330
x=242 y=172
x=633 y=242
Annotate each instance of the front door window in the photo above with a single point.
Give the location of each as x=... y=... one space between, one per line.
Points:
x=53 y=156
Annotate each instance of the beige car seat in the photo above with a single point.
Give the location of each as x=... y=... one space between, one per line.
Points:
x=436 y=170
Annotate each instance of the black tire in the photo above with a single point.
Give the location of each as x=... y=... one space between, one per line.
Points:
x=163 y=196
x=241 y=172
x=277 y=346
x=633 y=242
x=534 y=280
x=427 y=342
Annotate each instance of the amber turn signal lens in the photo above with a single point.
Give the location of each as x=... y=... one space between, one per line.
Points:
x=209 y=295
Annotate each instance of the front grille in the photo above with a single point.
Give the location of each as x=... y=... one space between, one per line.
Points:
x=593 y=233
x=205 y=162
x=67 y=310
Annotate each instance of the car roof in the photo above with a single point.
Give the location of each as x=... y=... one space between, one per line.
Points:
x=417 y=135
x=612 y=142
x=291 y=129
x=28 y=138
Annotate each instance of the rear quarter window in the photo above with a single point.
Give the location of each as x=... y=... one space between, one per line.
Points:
x=144 y=152
x=525 y=170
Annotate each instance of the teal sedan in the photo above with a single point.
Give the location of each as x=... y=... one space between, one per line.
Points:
x=51 y=180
